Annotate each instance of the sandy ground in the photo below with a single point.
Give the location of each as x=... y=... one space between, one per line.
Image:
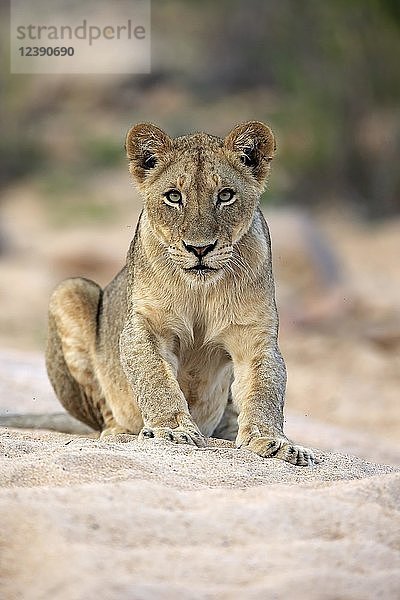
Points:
x=85 y=519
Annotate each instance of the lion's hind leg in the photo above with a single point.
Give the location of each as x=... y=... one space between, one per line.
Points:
x=227 y=428
x=70 y=351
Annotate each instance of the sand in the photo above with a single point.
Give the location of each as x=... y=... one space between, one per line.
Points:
x=86 y=519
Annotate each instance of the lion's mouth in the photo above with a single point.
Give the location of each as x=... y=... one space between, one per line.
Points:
x=200 y=268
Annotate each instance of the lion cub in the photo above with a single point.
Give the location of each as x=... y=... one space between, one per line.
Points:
x=186 y=334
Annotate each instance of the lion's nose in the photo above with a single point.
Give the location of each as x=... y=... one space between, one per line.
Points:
x=200 y=251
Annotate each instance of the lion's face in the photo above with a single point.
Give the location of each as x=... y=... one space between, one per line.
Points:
x=200 y=191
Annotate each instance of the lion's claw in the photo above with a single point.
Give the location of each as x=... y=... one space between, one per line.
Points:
x=178 y=435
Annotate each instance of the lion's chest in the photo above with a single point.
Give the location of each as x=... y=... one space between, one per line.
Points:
x=204 y=373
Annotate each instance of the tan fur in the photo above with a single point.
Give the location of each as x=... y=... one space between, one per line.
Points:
x=165 y=349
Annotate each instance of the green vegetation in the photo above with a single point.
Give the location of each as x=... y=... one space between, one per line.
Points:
x=69 y=198
x=324 y=74
x=102 y=151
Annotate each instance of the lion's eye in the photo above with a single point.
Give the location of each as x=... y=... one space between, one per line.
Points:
x=226 y=196
x=173 y=197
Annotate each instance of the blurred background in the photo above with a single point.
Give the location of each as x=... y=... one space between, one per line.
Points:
x=325 y=77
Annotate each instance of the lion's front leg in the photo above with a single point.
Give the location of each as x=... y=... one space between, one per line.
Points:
x=162 y=404
x=258 y=392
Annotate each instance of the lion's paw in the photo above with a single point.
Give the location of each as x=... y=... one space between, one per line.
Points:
x=178 y=435
x=283 y=449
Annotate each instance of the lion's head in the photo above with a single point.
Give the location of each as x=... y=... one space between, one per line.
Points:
x=200 y=191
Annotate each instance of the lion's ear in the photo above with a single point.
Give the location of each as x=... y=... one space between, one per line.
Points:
x=145 y=144
x=254 y=144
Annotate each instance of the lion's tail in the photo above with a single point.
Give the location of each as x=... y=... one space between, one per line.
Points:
x=62 y=422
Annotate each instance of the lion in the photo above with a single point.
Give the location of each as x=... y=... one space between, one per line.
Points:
x=183 y=343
